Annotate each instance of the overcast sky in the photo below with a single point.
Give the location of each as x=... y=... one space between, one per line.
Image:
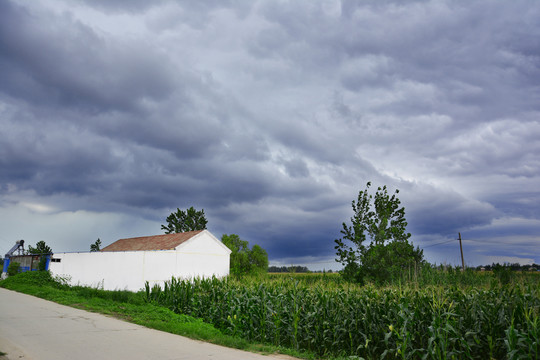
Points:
x=272 y=116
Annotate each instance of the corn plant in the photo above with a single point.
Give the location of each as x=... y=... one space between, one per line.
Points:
x=332 y=318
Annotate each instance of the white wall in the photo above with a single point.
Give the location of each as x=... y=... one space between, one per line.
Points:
x=201 y=256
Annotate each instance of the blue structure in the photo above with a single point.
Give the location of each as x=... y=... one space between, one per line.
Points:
x=19 y=245
x=27 y=262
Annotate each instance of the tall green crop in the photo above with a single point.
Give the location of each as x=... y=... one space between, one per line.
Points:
x=332 y=319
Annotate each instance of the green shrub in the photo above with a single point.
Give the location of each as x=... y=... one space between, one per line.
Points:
x=42 y=266
x=14 y=268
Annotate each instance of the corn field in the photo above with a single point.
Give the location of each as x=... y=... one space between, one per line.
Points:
x=434 y=322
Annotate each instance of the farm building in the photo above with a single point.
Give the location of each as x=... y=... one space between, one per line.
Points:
x=27 y=262
x=128 y=263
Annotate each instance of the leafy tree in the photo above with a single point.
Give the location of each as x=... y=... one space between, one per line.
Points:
x=258 y=257
x=381 y=220
x=182 y=221
x=243 y=259
x=239 y=255
x=41 y=248
x=95 y=247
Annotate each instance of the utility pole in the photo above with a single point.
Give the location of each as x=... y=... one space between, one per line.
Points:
x=461 y=249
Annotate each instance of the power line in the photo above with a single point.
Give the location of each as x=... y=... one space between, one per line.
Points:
x=483 y=241
x=500 y=242
x=477 y=240
x=444 y=242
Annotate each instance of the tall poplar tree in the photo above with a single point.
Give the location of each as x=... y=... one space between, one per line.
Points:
x=376 y=244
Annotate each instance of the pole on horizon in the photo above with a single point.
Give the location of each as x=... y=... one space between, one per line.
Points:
x=461 y=249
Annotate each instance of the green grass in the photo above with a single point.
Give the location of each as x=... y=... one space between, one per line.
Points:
x=134 y=308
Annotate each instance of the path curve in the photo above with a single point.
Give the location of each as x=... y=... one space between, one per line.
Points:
x=35 y=329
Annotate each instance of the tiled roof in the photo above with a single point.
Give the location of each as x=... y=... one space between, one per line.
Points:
x=155 y=242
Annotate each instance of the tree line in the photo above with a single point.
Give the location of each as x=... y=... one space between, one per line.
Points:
x=288 y=269
x=509 y=266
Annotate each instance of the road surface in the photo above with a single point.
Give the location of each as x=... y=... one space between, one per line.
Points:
x=37 y=329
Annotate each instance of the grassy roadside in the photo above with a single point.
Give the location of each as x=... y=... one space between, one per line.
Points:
x=132 y=307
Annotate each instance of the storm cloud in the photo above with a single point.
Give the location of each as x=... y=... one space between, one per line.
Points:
x=271 y=116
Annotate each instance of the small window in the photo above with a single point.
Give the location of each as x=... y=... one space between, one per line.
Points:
x=56 y=260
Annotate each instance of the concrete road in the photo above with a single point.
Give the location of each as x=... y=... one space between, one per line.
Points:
x=32 y=328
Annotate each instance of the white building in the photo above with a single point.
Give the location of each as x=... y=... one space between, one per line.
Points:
x=128 y=263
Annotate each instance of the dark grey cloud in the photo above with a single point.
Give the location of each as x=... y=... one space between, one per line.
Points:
x=439 y=212
x=463 y=51
x=64 y=63
x=134 y=6
x=272 y=116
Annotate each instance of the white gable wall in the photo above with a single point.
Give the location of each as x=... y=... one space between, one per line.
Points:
x=204 y=242
x=201 y=256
